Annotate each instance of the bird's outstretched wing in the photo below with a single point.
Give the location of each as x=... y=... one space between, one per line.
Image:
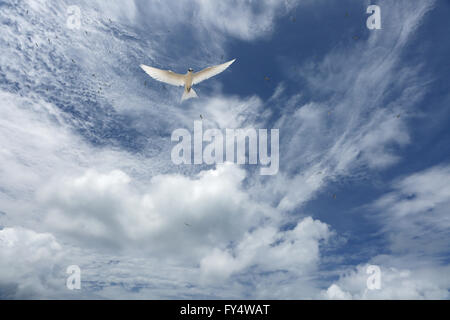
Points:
x=166 y=76
x=210 y=72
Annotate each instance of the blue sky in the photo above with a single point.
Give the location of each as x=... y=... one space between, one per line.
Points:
x=86 y=176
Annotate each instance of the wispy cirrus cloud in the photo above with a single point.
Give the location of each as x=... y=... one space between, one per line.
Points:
x=368 y=91
x=415 y=213
x=414 y=218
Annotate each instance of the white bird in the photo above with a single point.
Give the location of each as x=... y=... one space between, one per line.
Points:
x=187 y=80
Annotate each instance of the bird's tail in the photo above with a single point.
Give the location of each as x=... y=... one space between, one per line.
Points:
x=189 y=94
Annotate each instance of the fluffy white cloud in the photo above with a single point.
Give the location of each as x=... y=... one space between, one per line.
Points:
x=404 y=283
x=27 y=267
x=203 y=219
x=334 y=292
x=207 y=223
x=268 y=250
x=173 y=215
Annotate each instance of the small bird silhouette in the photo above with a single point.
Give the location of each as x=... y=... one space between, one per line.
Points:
x=186 y=80
x=201 y=117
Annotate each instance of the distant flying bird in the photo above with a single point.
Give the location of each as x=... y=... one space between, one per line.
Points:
x=186 y=80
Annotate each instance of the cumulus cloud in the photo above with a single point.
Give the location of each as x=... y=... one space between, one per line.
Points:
x=172 y=215
x=269 y=250
x=203 y=219
x=19 y=250
x=404 y=283
x=334 y=292
x=207 y=223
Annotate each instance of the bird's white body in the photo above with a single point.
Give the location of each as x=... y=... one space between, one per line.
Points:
x=188 y=83
x=186 y=80
x=188 y=91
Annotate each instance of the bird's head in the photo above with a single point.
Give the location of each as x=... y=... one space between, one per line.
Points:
x=190 y=70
